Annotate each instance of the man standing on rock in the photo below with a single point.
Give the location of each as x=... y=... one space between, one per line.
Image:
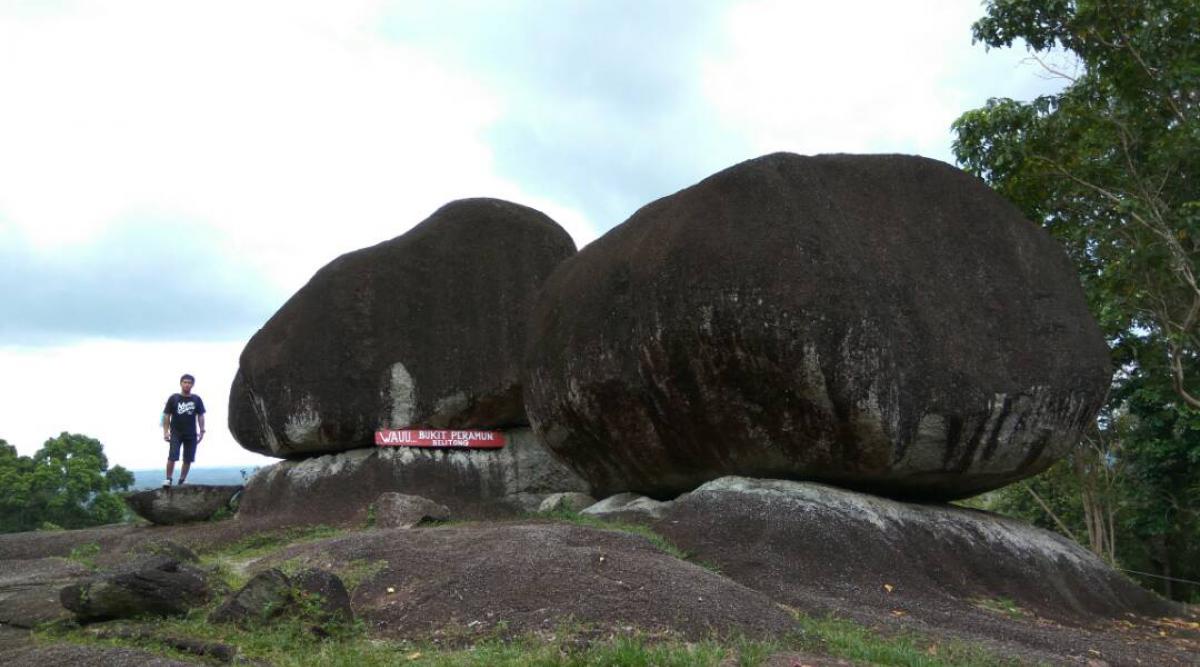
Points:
x=183 y=412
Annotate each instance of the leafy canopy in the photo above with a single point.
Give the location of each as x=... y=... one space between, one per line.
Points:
x=1109 y=166
x=67 y=484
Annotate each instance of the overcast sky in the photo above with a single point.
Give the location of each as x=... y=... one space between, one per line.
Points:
x=170 y=172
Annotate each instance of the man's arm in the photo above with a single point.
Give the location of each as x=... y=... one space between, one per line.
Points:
x=166 y=418
x=200 y=421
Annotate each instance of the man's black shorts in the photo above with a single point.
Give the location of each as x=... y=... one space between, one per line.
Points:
x=189 y=447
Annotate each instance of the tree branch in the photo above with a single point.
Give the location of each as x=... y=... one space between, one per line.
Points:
x=1049 y=512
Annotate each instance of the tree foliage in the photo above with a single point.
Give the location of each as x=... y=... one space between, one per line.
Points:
x=1109 y=166
x=67 y=483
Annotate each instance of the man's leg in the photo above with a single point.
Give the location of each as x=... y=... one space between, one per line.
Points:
x=189 y=455
x=172 y=457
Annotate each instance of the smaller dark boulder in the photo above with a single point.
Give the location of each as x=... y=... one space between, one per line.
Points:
x=399 y=510
x=322 y=596
x=152 y=586
x=181 y=504
x=315 y=595
x=168 y=548
x=263 y=598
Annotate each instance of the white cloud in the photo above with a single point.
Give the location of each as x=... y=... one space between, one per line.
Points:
x=866 y=77
x=114 y=391
x=289 y=126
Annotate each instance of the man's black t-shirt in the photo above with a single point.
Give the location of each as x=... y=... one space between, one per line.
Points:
x=183 y=411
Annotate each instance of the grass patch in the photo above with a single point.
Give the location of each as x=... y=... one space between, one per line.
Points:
x=354 y=573
x=846 y=639
x=85 y=554
x=261 y=544
x=1003 y=606
x=292 y=644
x=228 y=564
x=660 y=542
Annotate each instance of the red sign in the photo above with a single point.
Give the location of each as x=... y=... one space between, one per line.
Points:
x=439 y=439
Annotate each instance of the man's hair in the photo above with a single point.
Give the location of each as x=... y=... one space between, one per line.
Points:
x=187 y=376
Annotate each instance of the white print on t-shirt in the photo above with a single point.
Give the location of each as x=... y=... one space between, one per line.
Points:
x=185 y=408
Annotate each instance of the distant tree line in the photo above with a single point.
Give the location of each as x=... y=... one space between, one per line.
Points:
x=1110 y=167
x=66 y=484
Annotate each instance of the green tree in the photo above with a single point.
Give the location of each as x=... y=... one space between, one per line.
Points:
x=1109 y=166
x=67 y=483
x=14 y=487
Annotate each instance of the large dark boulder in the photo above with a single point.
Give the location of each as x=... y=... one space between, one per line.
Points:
x=151 y=586
x=181 y=504
x=881 y=322
x=426 y=329
x=400 y=510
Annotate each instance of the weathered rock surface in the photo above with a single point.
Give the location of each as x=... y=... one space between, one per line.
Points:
x=822 y=548
x=570 y=502
x=520 y=578
x=628 y=504
x=426 y=329
x=263 y=598
x=29 y=589
x=216 y=651
x=338 y=488
x=318 y=595
x=161 y=546
x=181 y=504
x=882 y=322
x=154 y=585
x=398 y=510
x=322 y=594
x=18 y=649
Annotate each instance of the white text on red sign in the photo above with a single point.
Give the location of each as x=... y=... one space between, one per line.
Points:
x=439 y=438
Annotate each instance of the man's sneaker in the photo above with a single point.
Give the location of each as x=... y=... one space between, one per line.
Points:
x=179 y=483
x=167 y=483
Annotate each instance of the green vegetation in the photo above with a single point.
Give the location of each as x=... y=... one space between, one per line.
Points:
x=354 y=573
x=229 y=563
x=260 y=544
x=292 y=642
x=660 y=542
x=1003 y=606
x=1108 y=166
x=849 y=640
x=66 y=484
x=307 y=638
x=85 y=554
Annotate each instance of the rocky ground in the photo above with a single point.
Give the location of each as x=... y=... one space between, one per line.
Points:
x=531 y=577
